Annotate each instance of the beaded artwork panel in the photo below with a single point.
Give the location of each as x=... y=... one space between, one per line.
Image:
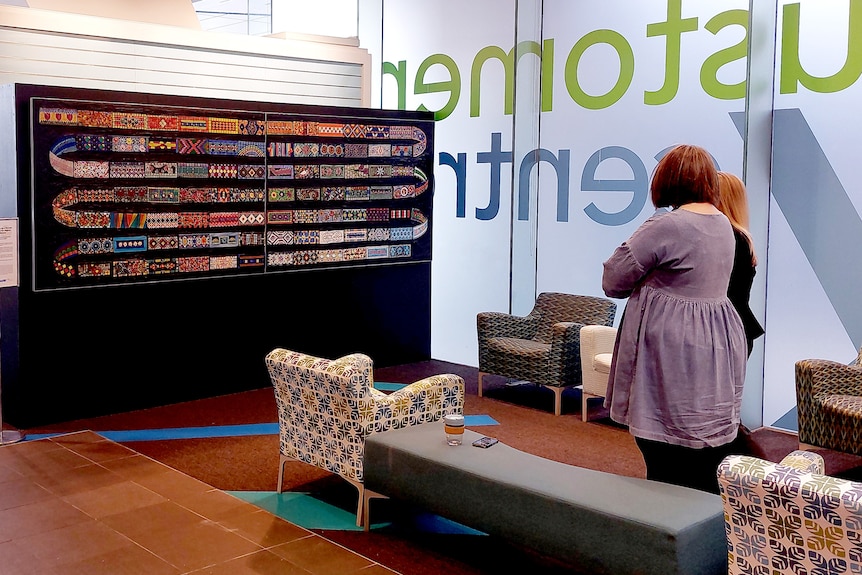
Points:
x=123 y=191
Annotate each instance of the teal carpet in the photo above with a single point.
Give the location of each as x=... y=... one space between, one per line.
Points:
x=307 y=511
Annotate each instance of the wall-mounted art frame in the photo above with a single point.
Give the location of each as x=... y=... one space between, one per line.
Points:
x=130 y=192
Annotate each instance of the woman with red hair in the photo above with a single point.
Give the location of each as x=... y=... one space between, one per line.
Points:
x=679 y=360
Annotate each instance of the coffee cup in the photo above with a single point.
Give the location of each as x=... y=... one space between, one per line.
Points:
x=454 y=427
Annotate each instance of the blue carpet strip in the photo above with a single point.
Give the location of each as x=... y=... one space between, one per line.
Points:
x=218 y=431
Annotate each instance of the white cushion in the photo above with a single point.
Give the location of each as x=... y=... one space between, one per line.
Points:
x=602 y=362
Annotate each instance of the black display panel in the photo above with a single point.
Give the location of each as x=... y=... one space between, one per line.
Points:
x=82 y=346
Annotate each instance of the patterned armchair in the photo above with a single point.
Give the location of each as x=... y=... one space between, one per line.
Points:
x=544 y=346
x=829 y=404
x=789 y=518
x=326 y=408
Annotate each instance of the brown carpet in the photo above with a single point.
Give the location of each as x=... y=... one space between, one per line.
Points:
x=526 y=422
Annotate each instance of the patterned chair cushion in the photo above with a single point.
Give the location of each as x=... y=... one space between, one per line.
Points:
x=779 y=519
x=521 y=347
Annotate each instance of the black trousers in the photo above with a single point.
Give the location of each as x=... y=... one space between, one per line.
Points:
x=687 y=466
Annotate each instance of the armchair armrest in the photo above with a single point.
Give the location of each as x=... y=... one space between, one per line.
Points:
x=423 y=401
x=596 y=340
x=825 y=377
x=805 y=461
x=817 y=379
x=497 y=324
x=565 y=355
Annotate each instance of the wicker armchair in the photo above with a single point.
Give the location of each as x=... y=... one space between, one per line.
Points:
x=544 y=346
x=788 y=517
x=326 y=408
x=829 y=404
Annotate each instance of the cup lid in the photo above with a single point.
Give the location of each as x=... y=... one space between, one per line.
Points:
x=453 y=419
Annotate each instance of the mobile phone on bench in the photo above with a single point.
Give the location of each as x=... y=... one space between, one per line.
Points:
x=485 y=442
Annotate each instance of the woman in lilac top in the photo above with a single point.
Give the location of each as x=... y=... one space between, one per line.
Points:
x=679 y=359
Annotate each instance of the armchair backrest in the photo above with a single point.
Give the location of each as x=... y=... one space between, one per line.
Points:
x=781 y=519
x=561 y=307
x=314 y=393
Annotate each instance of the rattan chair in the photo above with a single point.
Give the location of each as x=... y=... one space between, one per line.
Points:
x=326 y=409
x=829 y=404
x=542 y=347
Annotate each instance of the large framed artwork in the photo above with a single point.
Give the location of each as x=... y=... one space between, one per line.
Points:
x=131 y=192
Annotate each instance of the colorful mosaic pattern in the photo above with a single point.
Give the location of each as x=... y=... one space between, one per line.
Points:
x=326 y=408
x=140 y=190
x=781 y=519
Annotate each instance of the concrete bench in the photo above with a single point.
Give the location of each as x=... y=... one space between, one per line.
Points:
x=595 y=521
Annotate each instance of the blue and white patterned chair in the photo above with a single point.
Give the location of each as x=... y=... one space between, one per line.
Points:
x=790 y=518
x=326 y=408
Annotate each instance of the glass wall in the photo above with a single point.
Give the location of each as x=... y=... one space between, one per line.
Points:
x=249 y=17
x=336 y=18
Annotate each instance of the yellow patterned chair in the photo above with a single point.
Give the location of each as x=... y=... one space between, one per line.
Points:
x=790 y=518
x=829 y=404
x=326 y=408
x=542 y=347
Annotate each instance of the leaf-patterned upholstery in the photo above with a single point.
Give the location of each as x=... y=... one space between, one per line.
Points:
x=326 y=408
x=542 y=347
x=790 y=518
x=829 y=404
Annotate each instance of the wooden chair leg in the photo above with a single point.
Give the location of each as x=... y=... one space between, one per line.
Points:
x=558 y=398
x=360 y=506
x=481 y=377
x=282 y=459
x=584 y=397
x=366 y=507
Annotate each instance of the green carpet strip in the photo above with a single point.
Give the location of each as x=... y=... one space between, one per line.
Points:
x=307 y=511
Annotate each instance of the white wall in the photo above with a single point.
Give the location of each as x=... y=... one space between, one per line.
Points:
x=470 y=269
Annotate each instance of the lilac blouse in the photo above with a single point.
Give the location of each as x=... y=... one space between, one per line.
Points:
x=679 y=360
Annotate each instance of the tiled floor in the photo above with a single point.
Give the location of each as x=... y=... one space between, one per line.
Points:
x=80 y=504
